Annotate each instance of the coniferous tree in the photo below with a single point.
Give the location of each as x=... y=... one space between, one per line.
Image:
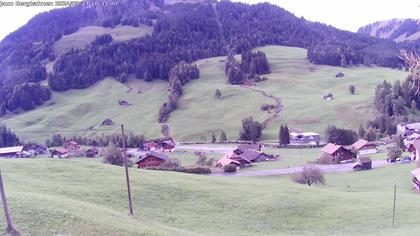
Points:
x=361 y=132
x=223 y=137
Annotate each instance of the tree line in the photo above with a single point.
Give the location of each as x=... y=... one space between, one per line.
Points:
x=179 y=75
x=253 y=64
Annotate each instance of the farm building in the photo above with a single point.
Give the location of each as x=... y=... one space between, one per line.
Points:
x=363 y=163
x=364 y=147
x=107 y=122
x=305 y=137
x=225 y=160
x=244 y=162
x=151 y=159
x=168 y=146
x=35 y=149
x=92 y=152
x=59 y=153
x=10 y=151
x=337 y=153
x=72 y=147
x=243 y=147
x=254 y=156
x=149 y=146
x=416 y=178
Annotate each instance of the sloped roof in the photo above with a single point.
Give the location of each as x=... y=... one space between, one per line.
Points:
x=239 y=158
x=6 y=150
x=359 y=144
x=61 y=150
x=414 y=126
x=225 y=160
x=331 y=148
x=243 y=147
x=149 y=144
x=158 y=155
x=250 y=155
x=416 y=173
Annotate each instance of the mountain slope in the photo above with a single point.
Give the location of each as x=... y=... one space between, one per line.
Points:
x=398 y=30
x=181 y=32
x=299 y=84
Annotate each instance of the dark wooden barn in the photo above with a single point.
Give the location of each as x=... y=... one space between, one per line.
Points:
x=151 y=159
x=364 y=163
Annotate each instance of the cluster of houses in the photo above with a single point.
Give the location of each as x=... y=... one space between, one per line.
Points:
x=357 y=151
x=166 y=144
x=24 y=151
x=244 y=155
x=72 y=149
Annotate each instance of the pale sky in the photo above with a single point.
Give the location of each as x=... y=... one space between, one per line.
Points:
x=343 y=14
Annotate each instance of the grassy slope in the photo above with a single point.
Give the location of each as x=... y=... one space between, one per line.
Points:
x=45 y=200
x=77 y=110
x=301 y=91
x=199 y=113
x=87 y=34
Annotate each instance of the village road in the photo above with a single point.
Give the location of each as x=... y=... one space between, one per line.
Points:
x=291 y=170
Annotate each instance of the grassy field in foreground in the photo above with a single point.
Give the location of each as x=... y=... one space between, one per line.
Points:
x=298 y=83
x=85 y=35
x=86 y=197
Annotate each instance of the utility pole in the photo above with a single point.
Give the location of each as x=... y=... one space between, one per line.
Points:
x=393 y=209
x=9 y=228
x=127 y=178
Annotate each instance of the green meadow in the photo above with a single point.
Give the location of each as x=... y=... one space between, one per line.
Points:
x=86 y=197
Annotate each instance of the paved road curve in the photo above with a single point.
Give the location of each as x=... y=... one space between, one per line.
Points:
x=291 y=170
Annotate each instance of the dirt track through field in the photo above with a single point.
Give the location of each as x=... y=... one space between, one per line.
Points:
x=275 y=112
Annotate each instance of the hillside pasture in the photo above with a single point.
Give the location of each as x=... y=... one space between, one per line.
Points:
x=86 y=35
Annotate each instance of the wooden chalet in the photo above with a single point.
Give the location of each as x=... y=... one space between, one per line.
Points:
x=59 y=153
x=72 y=147
x=416 y=178
x=243 y=161
x=243 y=147
x=149 y=146
x=364 y=147
x=225 y=160
x=151 y=159
x=338 y=153
x=10 y=151
x=363 y=163
x=254 y=156
x=168 y=146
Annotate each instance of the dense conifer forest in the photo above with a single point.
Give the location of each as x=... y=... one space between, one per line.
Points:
x=182 y=32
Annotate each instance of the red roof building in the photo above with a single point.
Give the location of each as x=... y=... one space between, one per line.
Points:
x=151 y=159
x=364 y=147
x=338 y=153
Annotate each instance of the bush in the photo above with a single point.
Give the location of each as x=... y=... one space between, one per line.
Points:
x=113 y=156
x=231 y=168
x=266 y=107
x=394 y=153
x=309 y=176
x=325 y=160
x=170 y=164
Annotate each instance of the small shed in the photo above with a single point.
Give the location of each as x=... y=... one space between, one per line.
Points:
x=363 y=163
x=339 y=75
x=151 y=159
x=225 y=160
x=107 y=122
x=328 y=96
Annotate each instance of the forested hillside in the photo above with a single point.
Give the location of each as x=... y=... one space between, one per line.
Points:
x=181 y=32
x=396 y=29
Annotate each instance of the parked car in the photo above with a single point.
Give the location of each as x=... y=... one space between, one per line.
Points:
x=404 y=160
